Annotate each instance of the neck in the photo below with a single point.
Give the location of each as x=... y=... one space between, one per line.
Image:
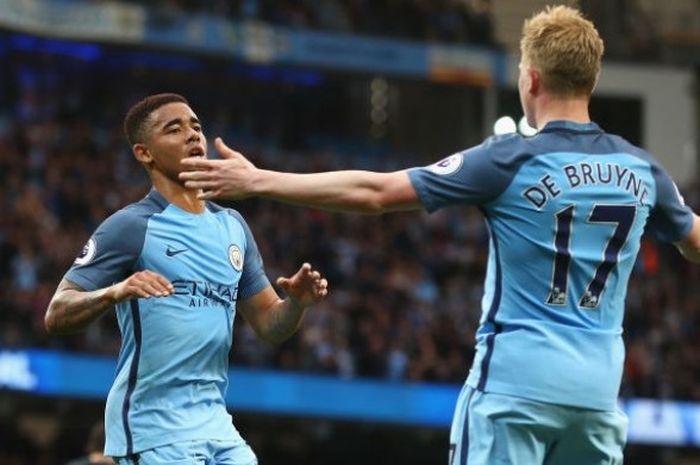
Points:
x=569 y=109
x=177 y=194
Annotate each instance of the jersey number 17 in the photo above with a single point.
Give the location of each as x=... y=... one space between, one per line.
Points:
x=622 y=216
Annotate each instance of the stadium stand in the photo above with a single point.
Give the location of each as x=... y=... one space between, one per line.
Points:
x=406 y=288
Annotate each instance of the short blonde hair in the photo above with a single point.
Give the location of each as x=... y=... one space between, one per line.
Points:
x=566 y=48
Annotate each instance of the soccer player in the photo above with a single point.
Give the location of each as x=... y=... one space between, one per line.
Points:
x=176 y=268
x=566 y=210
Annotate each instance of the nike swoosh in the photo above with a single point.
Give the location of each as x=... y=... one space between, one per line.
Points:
x=172 y=252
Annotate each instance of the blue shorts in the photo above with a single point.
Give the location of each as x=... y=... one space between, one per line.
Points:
x=490 y=429
x=199 y=452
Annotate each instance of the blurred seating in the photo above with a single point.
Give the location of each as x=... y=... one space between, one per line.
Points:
x=406 y=288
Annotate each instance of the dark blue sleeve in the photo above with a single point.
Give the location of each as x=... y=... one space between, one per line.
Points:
x=253 y=277
x=671 y=219
x=111 y=253
x=473 y=176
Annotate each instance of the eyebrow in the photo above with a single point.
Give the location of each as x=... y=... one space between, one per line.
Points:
x=175 y=121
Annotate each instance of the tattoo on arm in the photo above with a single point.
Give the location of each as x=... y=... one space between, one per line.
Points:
x=72 y=309
x=283 y=321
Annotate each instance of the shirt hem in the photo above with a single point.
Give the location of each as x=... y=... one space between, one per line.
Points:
x=538 y=396
x=167 y=439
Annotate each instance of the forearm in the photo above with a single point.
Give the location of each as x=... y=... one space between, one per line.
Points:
x=690 y=245
x=343 y=191
x=71 y=310
x=281 y=320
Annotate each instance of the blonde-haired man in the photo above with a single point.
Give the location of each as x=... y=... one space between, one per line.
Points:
x=566 y=210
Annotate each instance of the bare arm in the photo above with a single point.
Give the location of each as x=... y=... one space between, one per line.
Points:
x=72 y=309
x=690 y=246
x=235 y=177
x=344 y=191
x=274 y=319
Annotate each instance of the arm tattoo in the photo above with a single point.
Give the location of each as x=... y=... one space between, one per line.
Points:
x=284 y=320
x=73 y=309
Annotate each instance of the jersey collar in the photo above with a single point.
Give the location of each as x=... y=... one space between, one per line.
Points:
x=571 y=126
x=158 y=199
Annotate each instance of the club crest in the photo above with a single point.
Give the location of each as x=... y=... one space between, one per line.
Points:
x=235 y=257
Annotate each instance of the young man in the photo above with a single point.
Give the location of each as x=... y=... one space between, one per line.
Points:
x=177 y=269
x=566 y=210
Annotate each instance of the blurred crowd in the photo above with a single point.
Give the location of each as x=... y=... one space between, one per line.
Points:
x=405 y=288
x=637 y=30
x=457 y=21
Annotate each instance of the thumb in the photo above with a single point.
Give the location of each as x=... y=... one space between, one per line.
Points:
x=224 y=150
x=283 y=283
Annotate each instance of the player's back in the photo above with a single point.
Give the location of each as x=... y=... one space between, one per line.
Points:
x=566 y=211
x=565 y=233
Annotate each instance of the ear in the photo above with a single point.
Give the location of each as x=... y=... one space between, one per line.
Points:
x=142 y=154
x=534 y=81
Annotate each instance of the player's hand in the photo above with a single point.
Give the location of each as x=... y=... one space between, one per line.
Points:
x=306 y=287
x=142 y=284
x=229 y=177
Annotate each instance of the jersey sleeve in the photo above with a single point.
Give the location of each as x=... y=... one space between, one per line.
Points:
x=253 y=277
x=671 y=219
x=473 y=176
x=110 y=255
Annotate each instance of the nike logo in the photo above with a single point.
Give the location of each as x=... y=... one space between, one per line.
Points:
x=170 y=252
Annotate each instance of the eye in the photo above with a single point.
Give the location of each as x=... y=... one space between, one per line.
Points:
x=173 y=130
x=197 y=128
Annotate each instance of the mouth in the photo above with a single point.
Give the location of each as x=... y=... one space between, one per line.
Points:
x=196 y=152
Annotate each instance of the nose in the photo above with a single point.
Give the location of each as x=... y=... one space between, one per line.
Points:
x=194 y=136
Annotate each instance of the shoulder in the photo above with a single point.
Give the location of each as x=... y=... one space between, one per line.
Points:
x=658 y=172
x=507 y=151
x=134 y=215
x=228 y=212
x=500 y=156
x=623 y=145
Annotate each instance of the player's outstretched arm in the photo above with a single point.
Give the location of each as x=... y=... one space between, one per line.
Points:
x=690 y=246
x=275 y=319
x=73 y=309
x=235 y=177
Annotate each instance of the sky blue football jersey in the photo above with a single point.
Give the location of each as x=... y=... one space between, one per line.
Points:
x=172 y=371
x=566 y=210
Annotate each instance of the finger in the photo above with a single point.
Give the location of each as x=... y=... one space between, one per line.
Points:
x=224 y=150
x=209 y=194
x=283 y=282
x=199 y=163
x=305 y=269
x=206 y=185
x=167 y=287
x=315 y=275
x=152 y=282
x=321 y=288
x=138 y=292
x=138 y=286
x=195 y=175
x=153 y=289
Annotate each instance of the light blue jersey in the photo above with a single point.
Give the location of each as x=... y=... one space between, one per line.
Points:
x=566 y=210
x=172 y=370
